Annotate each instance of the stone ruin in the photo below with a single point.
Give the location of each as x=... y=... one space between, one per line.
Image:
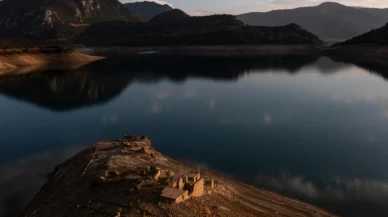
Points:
x=183 y=186
x=180 y=186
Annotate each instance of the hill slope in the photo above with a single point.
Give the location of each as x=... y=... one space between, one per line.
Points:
x=329 y=21
x=366 y=49
x=169 y=17
x=374 y=37
x=57 y=19
x=148 y=10
x=177 y=28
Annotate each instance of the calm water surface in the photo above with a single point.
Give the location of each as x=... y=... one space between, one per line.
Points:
x=307 y=127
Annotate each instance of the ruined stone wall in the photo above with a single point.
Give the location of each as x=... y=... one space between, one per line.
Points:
x=199 y=188
x=181 y=184
x=182 y=198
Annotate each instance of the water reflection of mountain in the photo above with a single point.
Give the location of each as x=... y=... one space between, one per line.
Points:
x=101 y=81
x=66 y=90
x=179 y=68
x=375 y=67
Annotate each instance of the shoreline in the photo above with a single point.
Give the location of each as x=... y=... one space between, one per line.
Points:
x=17 y=62
x=364 y=53
x=215 y=49
x=113 y=178
x=27 y=62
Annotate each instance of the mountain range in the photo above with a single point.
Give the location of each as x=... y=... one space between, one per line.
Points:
x=64 y=20
x=330 y=21
x=175 y=27
x=148 y=10
x=57 y=19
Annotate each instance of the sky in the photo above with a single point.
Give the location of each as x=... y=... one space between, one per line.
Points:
x=206 y=7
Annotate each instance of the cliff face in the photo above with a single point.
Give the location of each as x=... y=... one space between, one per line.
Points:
x=177 y=28
x=57 y=19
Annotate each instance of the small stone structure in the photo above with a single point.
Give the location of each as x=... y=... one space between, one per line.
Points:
x=175 y=195
x=183 y=186
x=211 y=183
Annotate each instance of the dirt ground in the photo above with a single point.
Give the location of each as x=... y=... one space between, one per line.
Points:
x=115 y=178
x=10 y=63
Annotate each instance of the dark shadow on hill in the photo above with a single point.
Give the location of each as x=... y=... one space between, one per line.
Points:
x=175 y=27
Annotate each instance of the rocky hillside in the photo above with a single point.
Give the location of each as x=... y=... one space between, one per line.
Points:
x=374 y=37
x=329 y=21
x=177 y=28
x=4 y=44
x=57 y=19
x=148 y=10
x=125 y=178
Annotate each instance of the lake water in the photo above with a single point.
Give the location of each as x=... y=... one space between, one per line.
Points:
x=304 y=126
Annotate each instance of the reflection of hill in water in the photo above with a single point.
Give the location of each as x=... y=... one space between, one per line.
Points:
x=61 y=91
x=179 y=68
x=101 y=81
x=374 y=67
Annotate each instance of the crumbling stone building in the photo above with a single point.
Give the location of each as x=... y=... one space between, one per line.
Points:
x=183 y=186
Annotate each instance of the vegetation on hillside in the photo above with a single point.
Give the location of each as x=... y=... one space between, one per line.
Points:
x=375 y=37
x=4 y=44
x=15 y=48
x=177 y=28
x=148 y=9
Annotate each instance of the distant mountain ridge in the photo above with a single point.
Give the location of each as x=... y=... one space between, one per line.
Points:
x=177 y=28
x=330 y=21
x=147 y=9
x=57 y=19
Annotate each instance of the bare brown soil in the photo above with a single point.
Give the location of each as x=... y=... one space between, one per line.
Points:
x=11 y=62
x=113 y=178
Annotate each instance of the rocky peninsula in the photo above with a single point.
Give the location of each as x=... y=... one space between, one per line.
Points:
x=128 y=177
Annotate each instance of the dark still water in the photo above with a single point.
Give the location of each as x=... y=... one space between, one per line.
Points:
x=307 y=127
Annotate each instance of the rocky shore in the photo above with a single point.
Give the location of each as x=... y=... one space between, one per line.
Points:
x=128 y=177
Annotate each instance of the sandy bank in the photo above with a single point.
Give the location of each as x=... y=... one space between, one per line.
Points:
x=9 y=63
x=127 y=177
x=6 y=67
